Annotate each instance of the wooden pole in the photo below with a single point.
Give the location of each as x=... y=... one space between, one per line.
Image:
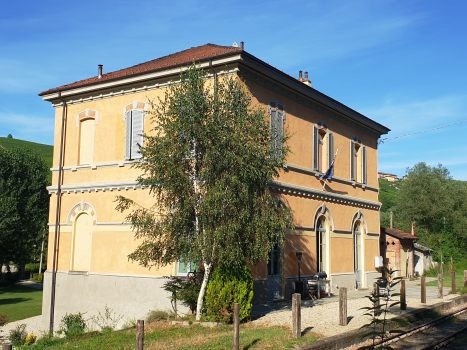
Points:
x=403 y=303
x=453 y=282
x=465 y=278
x=7 y=346
x=236 y=340
x=140 y=335
x=423 y=290
x=440 y=285
x=376 y=291
x=296 y=315
x=343 y=306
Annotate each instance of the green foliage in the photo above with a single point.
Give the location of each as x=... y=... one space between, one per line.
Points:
x=24 y=204
x=32 y=267
x=381 y=305
x=185 y=290
x=10 y=136
x=226 y=287
x=388 y=194
x=18 y=335
x=108 y=320
x=158 y=315
x=73 y=324
x=431 y=273
x=208 y=164
x=38 y=277
x=30 y=339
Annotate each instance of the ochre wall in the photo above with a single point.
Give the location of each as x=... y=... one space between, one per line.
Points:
x=112 y=243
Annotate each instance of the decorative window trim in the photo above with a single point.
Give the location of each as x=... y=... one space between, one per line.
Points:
x=321 y=129
x=143 y=106
x=82 y=207
x=87 y=114
x=323 y=210
x=359 y=216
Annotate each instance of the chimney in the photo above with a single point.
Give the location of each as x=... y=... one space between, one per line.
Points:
x=242 y=45
x=100 y=70
x=306 y=80
x=300 y=78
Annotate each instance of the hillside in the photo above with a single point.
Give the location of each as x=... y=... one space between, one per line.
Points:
x=388 y=194
x=45 y=150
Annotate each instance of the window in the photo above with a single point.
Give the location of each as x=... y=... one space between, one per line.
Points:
x=184 y=268
x=358 y=255
x=358 y=161
x=321 y=147
x=277 y=114
x=274 y=263
x=134 y=133
x=321 y=246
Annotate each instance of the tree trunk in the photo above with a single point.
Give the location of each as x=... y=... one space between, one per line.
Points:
x=199 y=306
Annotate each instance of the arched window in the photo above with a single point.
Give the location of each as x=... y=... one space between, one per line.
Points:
x=321 y=245
x=358 y=260
x=86 y=122
x=82 y=243
x=323 y=147
x=358 y=161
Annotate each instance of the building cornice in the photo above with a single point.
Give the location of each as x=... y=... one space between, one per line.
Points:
x=334 y=178
x=94 y=166
x=312 y=193
x=97 y=187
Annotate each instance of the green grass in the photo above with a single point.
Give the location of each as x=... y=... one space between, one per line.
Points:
x=447 y=280
x=159 y=335
x=18 y=303
x=45 y=150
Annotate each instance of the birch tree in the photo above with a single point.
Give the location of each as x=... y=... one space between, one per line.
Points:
x=207 y=161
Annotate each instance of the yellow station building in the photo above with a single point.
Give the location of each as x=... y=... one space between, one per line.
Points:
x=337 y=228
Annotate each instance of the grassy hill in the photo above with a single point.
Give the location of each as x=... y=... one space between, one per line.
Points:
x=45 y=150
x=388 y=194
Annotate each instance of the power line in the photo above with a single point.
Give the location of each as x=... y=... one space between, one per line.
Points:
x=419 y=132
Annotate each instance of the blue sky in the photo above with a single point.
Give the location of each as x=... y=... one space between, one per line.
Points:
x=401 y=63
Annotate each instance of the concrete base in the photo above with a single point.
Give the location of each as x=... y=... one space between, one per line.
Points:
x=371 y=278
x=129 y=296
x=343 y=281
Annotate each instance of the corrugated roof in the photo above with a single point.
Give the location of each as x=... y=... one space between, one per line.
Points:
x=181 y=58
x=397 y=233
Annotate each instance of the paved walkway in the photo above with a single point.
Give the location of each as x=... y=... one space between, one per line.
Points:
x=30 y=284
x=412 y=290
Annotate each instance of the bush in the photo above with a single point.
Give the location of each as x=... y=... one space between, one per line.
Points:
x=431 y=273
x=158 y=315
x=2 y=320
x=18 y=335
x=73 y=324
x=107 y=321
x=32 y=268
x=30 y=339
x=185 y=290
x=226 y=287
x=38 y=277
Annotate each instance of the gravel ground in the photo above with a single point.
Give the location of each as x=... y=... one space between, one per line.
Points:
x=324 y=319
x=33 y=325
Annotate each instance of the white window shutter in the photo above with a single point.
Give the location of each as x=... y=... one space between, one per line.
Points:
x=137 y=133
x=364 y=165
x=352 y=161
x=315 y=148
x=128 y=128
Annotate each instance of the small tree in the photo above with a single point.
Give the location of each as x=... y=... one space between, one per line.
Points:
x=207 y=162
x=24 y=204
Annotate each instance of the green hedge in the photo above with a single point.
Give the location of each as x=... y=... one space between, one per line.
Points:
x=227 y=287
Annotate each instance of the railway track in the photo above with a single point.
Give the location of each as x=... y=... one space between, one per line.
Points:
x=435 y=334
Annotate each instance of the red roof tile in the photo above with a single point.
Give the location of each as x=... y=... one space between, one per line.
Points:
x=200 y=53
x=397 y=233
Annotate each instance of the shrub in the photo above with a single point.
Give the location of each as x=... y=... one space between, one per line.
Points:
x=185 y=290
x=32 y=268
x=18 y=335
x=73 y=324
x=157 y=315
x=2 y=320
x=431 y=273
x=38 y=277
x=226 y=287
x=107 y=321
x=30 y=339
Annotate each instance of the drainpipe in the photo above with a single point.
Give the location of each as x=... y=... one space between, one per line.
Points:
x=57 y=218
x=215 y=82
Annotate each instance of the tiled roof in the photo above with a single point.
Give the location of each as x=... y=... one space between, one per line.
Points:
x=397 y=233
x=200 y=53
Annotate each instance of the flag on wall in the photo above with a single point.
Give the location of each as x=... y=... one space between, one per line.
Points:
x=413 y=231
x=328 y=174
